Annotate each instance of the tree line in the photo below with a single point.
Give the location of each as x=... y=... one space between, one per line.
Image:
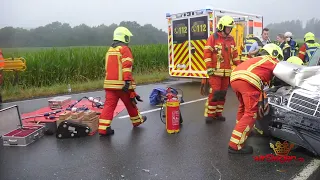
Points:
x=296 y=27
x=57 y=34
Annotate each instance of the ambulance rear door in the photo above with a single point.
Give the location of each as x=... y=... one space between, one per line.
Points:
x=238 y=32
x=188 y=33
x=199 y=33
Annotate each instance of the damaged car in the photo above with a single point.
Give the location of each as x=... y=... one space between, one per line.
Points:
x=294 y=106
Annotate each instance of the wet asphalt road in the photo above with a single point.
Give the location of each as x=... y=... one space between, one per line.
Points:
x=199 y=151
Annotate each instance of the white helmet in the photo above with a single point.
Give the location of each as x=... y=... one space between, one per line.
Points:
x=288 y=34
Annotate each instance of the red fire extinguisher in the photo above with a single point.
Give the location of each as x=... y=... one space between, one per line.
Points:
x=172 y=112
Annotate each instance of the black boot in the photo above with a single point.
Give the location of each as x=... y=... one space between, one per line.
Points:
x=244 y=150
x=209 y=119
x=109 y=130
x=221 y=118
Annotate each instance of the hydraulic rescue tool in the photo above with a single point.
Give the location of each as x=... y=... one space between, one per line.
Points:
x=170 y=110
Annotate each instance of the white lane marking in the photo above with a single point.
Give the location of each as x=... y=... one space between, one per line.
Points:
x=217 y=170
x=308 y=170
x=153 y=110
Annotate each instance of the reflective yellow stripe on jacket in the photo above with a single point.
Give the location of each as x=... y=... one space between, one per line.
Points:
x=250 y=77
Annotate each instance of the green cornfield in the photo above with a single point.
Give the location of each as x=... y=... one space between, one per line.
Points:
x=48 y=66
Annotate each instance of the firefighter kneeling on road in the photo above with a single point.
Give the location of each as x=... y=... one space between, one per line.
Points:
x=119 y=82
x=219 y=55
x=248 y=81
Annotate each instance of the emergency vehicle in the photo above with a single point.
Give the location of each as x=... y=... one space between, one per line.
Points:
x=189 y=31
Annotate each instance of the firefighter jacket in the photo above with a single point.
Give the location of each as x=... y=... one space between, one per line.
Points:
x=257 y=71
x=1 y=60
x=294 y=48
x=118 y=66
x=220 y=53
x=306 y=51
x=286 y=50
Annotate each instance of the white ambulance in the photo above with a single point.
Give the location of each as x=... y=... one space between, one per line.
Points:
x=189 y=31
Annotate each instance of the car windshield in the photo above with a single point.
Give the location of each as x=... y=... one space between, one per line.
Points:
x=315 y=60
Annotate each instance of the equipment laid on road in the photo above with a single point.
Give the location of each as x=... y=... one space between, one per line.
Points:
x=59 y=102
x=188 y=33
x=294 y=107
x=71 y=129
x=12 y=130
x=170 y=113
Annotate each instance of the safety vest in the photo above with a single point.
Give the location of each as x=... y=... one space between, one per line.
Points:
x=256 y=71
x=248 y=43
x=310 y=49
x=118 y=66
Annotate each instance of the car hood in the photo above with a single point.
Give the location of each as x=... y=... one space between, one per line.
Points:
x=306 y=77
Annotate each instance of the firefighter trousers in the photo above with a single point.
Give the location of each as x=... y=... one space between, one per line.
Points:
x=248 y=97
x=217 y=96
x=112 y=98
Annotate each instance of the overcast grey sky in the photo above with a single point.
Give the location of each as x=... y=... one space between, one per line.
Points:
x=34 y=13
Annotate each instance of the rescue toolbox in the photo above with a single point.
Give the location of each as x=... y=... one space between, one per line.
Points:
x=189 y=31
x=64 y=117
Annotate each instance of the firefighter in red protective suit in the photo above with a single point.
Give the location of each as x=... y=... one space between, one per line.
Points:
x=219 y=55
x=248 y=81
x=1 y=75
x=119 y=82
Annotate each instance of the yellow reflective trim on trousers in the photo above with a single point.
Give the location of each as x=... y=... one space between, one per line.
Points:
x=103 y=121
x=244 y=135
x=126 y=59
x=207 y=60
x=208 y=47
x=135 y=118
x=135 y=121
x=219 y=110
x=101 y=127
x=220 y=106
x=237 y=133
x=212 y=107
x=109 y=86
x=237 y=121
x=126 y=70
x=211 y=112
x=234 y=140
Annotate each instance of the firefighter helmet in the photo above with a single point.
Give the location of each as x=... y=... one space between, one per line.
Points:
x=225 y=21
x=288 y=34
x=309 y=36
x=122 y=34
x=295 y=60
x=272 y=50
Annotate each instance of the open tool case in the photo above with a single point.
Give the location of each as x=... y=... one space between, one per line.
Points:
x=13 y=132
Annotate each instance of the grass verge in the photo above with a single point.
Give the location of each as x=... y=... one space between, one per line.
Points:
x=16 y=93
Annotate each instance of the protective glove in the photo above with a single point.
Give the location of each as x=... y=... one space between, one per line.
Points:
x=139 y=98
x=210 y=71
x=125 y=88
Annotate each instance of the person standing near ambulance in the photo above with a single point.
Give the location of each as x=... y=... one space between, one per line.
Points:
x=1 y=76
x=248 y=81
x=254 y=50
x=219 y=55
x=119 y=82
